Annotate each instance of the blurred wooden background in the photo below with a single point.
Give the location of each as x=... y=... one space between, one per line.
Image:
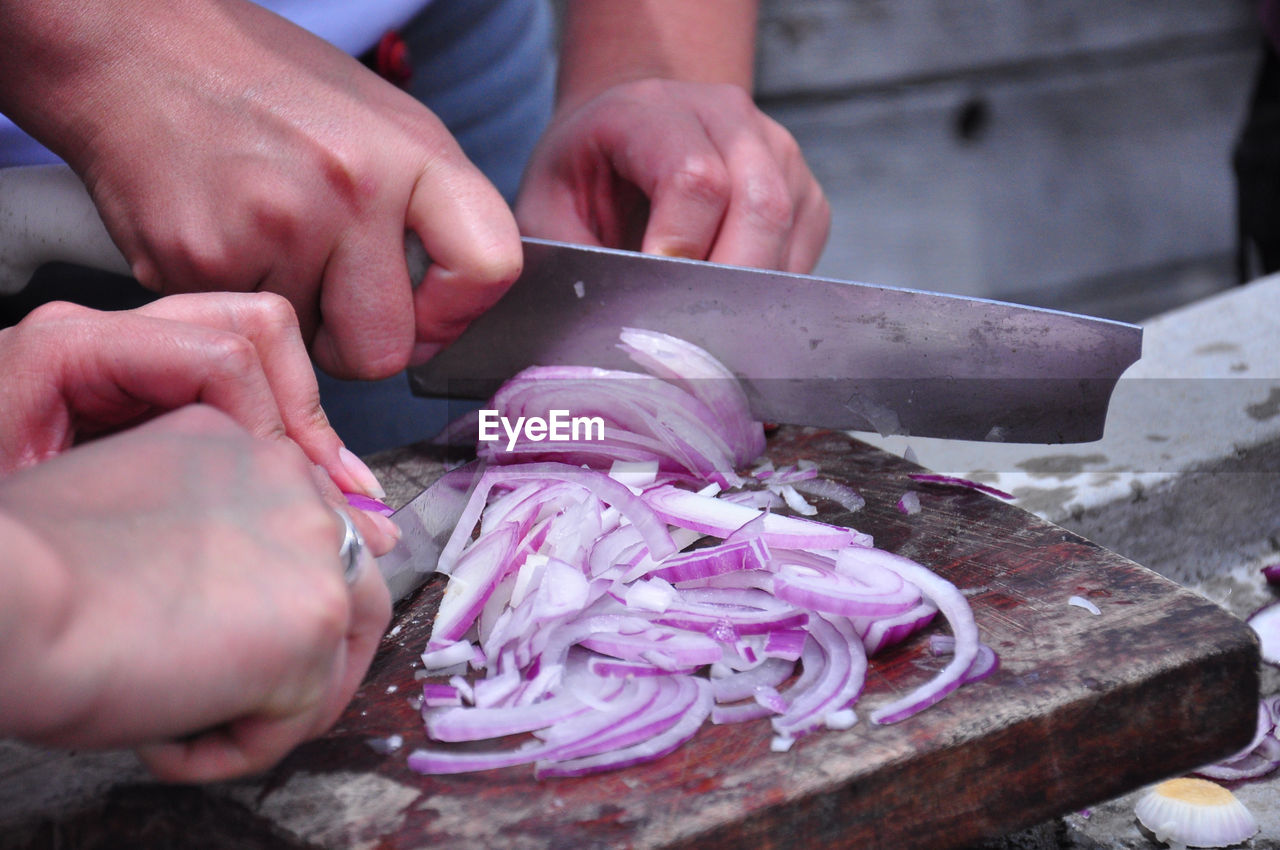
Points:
x=1073 y=153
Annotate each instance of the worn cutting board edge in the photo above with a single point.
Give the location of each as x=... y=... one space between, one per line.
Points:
x=1051 y=732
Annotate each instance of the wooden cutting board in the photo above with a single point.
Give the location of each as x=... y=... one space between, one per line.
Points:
x=1083 y=708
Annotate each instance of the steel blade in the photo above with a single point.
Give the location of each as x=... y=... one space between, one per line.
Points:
x=426 y=522
x=808 y=350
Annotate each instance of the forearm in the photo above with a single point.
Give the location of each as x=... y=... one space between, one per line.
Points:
x=60 y=61
x=606 y=42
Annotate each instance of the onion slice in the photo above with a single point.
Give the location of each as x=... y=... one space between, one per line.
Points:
x=610 y=597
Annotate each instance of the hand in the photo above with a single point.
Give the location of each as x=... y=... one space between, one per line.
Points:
x=684 y=169
x=227 y=149
x=176 y=588
x=74 y=373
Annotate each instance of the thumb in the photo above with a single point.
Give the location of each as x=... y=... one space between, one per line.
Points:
x=473 y=245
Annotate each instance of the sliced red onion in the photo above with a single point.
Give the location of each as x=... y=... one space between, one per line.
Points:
x=1266 y=622
x=953 y=481
x=720 y=518
x=795 y=501
x=706 y=378
x=366 y=503
x=447 y=654
x=474 y=577
x=952 y=604
x=434 y=695
x=834 y=593
x=595 y=623
x=1271 y=573
x=986 y=662
x=713 y=560
x=837 y=685
x=740 y=685
x=880 y=632
x=689 y=713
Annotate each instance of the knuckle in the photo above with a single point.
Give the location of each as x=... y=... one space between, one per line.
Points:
x=701 y=179
x=735 y=97
x=272 y=312
x=326 y=612
x=769 y=203
x=53 y=312
x=232 y=355
x=647 y=88
x=496 y=267
x=190 y=262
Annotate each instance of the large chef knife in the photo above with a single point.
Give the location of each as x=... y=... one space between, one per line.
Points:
x=807 y=350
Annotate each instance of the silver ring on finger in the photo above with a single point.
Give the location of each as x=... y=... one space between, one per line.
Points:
x=351 y=552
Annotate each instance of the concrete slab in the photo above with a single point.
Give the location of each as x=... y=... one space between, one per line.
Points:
x=1192 y=436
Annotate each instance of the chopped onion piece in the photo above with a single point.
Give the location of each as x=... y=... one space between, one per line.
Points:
x=1081 y=602
x=613 y=595
x=367 y=503
x=1266 y=623
x=952 y=480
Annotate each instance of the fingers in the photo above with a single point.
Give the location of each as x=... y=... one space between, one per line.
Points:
x=268 y=322
x=774 y=214
x=259 y=740
x=719 y=179
x=676 y=164
x=366 y=307
x=77 y=371
x=471 y=238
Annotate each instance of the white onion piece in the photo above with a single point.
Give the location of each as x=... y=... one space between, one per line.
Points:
x=742 y=685
x=1081 y=602
x=824 y=488
x=721 y=518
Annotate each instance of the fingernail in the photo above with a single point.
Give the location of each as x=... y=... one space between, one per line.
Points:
x=676 y=252
x=385 y=525
x=424 y=351
x=363 y=476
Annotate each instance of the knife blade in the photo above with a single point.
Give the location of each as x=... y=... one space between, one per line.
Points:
x=426 y=522
x=808 y=350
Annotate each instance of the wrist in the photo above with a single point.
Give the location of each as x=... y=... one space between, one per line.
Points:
x=35 y=604
x=611 y=42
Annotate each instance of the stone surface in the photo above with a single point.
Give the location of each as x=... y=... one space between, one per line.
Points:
x=1186 y=482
